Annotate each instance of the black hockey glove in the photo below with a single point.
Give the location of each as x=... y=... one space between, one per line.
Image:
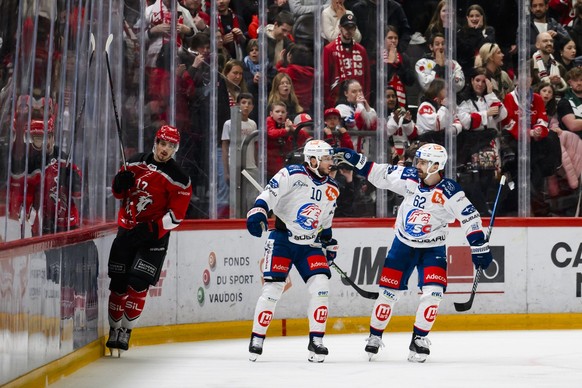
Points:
x=124 y=180
x=330 y=248
x=481 y=255
x=144 y=231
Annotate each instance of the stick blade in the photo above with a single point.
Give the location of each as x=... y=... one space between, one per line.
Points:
x=466 y=306
x=108 y=43
x=460 y=307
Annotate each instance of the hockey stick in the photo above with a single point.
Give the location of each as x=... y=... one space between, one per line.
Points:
x=117 y=122
x=468 y=304
x=80 y=114
x=362 y=292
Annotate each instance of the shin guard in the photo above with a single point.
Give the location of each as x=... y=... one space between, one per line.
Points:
x=133 y=307
x=427 y=309
x=318 y=286
x=382 y=311
x=265 y=308
x=115 y=309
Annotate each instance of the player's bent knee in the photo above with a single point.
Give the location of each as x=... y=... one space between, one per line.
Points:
x=318 y=285
x=138 y=284
x=118 y=284
x=432 y=293
x=272 y=291
x=390 y=295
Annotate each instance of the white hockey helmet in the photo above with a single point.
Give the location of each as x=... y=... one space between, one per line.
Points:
x=316 y=149
x=432 y=153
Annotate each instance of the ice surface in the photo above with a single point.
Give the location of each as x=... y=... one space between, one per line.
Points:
x=458 y=359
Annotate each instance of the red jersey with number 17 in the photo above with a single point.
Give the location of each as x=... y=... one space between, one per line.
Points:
x=161 y=194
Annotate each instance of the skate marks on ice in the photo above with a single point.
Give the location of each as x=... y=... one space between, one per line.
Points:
x=457 y=359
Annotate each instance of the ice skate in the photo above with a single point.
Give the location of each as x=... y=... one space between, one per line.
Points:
x=255 y=347
x=419 y=349
x=112 y=342
x=123 y=340
x=374 y=343
x=317 y=351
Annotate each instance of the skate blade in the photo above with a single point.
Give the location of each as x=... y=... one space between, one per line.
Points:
x=316 y=357
x=253 y=357
x=371 y=356
x=114 y=352
x=417 y=357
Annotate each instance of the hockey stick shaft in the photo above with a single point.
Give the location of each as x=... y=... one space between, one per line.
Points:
x=467 y=305
x=117 y=122
x=362 y=292
x=82 y=109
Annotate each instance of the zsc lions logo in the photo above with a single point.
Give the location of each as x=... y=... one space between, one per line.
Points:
x=417 y=223
x=308 y=216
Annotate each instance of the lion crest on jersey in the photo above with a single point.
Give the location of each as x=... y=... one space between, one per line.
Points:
x=417 y=223
x=308 y=216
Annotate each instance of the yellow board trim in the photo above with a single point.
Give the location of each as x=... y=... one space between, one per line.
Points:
x=155 y=335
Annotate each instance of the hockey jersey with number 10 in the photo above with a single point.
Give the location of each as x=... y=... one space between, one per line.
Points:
x=423 y=217
x=303 y=201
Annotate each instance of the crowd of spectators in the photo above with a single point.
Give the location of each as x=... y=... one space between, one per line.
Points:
x=177 y=73
x=415 y=63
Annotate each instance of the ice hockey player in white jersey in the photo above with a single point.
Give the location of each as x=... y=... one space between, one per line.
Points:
x=430 y=203
x=303 y=199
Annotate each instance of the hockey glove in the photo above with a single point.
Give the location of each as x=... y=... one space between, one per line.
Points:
x=257 y=221
x=481 y=255
x=330 y=248
x=144 y=231
x=124 y=180
x=349 y=156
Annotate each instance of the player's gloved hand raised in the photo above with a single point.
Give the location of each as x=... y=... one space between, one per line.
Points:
x=257 y=221
x=349 y=156
x=481 y=255
x=124 y=180
x=142 y=232
x=330 y=248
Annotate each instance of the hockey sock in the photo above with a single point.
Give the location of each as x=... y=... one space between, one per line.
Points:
x=265 y=308
x=382 y=311
x=115 y=309
x=318 y=287
x=427 y=309
x=133 y=307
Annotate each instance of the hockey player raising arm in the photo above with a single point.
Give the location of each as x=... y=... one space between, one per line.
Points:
x=303 y=199
x=430 y=203
x=155 y=194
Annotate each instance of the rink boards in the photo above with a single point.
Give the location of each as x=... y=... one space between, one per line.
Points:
x=211 y=280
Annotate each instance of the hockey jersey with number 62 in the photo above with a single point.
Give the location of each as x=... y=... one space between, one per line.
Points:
x=423 y=217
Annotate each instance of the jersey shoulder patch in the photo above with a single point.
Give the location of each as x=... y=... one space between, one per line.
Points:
x=409 y=173
x=295 y=169
x=449 y=187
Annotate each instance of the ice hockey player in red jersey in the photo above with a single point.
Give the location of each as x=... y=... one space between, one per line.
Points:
x=155 y=194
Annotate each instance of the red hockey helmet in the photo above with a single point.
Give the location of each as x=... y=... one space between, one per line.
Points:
x=169 y=134
x=37 y=127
